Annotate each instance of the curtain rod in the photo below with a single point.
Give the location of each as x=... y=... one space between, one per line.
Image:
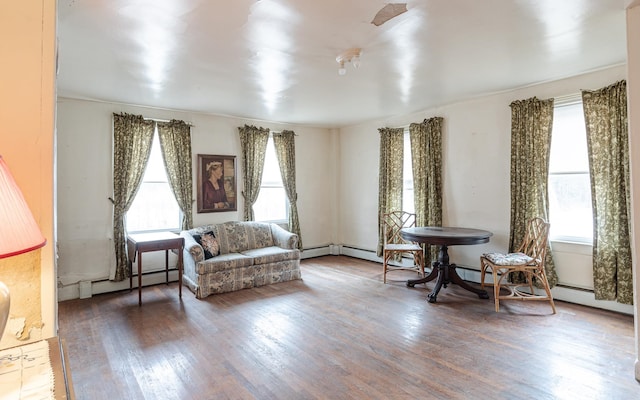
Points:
x=568 y=99
x=163 y=120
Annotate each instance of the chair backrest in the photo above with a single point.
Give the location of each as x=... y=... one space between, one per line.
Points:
x=535 y=239
x=393 y=222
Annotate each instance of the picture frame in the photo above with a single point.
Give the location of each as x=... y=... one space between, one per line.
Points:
x=217 y=189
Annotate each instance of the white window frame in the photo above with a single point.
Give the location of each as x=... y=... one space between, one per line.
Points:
x=556 y=236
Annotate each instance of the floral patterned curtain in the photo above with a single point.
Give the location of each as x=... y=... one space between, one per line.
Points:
x=605 y=114
x=285 y=146
x=426 y=157
x=531 y=122
x=175 y=141
x=390 y=176
x=253 y=142
x=132 y=137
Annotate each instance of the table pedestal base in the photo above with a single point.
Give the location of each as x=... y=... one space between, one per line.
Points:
x=446 y=274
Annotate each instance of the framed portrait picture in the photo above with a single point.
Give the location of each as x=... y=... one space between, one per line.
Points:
x=216 y=183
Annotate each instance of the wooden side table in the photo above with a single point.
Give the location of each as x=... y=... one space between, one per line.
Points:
x=139 y=243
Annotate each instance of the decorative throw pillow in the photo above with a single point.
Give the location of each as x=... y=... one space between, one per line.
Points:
x=198 y=239
x=210 y=245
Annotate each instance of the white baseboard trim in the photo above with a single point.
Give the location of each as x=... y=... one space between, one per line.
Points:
x=471 y=274
x=316 y=252
x=86 y=289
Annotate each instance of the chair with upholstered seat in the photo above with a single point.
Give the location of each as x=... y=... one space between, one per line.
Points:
x=528 y=260
x=396 y=246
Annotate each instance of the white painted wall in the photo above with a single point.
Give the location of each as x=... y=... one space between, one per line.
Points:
x=337 y=177
x=476 y=193
x=84 y=149
x=27 y=112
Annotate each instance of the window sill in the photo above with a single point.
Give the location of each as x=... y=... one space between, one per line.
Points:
x=572 y=247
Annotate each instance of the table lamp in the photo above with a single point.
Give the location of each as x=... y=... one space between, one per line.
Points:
x=19 y=232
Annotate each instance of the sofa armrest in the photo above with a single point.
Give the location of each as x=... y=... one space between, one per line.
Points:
x=192 y=247
x=283 y=238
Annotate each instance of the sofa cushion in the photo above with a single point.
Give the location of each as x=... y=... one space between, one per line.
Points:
x=508 y=259
x=271 y=254
x=223 y=262
x=238 y=236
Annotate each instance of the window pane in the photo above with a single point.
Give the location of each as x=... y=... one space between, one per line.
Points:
x=271 y=205
x=155 y=207
x=155 y=171
x=407 y=176
x=271 y=173
x=570 y=207
x=569 y=140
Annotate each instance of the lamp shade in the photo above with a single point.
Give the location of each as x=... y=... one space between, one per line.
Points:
x=19 y=232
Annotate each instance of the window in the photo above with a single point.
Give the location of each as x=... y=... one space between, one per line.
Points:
x=570 y=208
x=155 y=207
x=272 y=203
x=407 y=176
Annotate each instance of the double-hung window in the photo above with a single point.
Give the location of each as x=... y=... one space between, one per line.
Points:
x=155 y=207
x=570 y=208
x=272 y=204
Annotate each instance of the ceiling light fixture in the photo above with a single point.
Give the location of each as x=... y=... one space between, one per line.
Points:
x=351 y=55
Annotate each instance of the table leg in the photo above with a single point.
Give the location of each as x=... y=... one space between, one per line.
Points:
x=166 y=266
x=139 y=278
x=455 y=278
x=432 y=275
x=442 y=280
x=446 y=273
x=180 y=271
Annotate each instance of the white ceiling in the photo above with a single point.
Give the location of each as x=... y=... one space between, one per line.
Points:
x=275 y=60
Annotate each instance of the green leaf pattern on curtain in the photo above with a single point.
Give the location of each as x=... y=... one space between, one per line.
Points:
x=285 y=146
x=605 y=113
x=426 y=157
x=253 y=143
x=175 y=141
x=531 y=122
x=390 y=176
x=132 y=137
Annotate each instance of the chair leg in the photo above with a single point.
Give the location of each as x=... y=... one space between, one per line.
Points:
x=529 y=276
x=483 y=270
x=418 y=259
x=384 y=266
x=545 y=283
x=496 y=288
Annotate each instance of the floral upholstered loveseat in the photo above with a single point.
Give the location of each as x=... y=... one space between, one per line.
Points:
x=230 y=256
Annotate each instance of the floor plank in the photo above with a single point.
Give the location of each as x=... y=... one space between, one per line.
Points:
x=340 y=333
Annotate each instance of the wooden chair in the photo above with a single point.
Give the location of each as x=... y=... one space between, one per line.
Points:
x=529 y=259
x=395 y=245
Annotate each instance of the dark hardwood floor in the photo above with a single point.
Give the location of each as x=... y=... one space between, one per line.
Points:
x=340 y=333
